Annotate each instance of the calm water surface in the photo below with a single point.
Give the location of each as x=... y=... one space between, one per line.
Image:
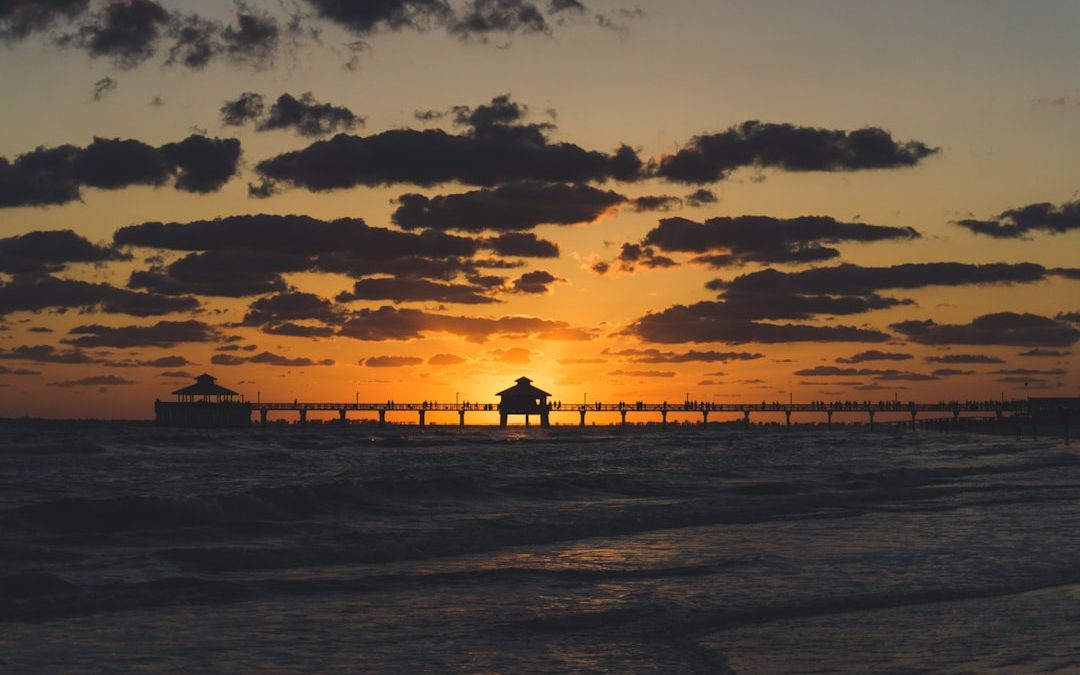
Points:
x=128 y=548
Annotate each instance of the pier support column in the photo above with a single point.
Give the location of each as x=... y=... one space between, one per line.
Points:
x=663 y=418
x=303 y=417
x=622 y=414
x=382 y=418
x=999 y=415
x=262 y=417
x=828 y=417
x=341 y=416
x=526 y=420
x=461 y=418
x=545 y=419
x=787 y=414
x=913 y=414
x=582 y=411
x=871 y=412
x=1034 y=427
x=502 y=418
x=704 y=417
x=956 y=417
x=746 y=418
x=422 y=412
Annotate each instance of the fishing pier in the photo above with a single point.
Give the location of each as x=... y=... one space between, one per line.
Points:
x=208 y=404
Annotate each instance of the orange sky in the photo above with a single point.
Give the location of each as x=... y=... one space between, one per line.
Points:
x=875 y=118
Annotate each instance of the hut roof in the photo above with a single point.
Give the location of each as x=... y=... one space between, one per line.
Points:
x=524 y=389
x=205 y=386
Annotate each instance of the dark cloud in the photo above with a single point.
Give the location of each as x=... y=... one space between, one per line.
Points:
x=1001 y=328
x=445 y=360
x=102 y=87
x=389 y=323
x=1029 y=371
x=51 y=251
x=248 y=107
x=227 y=273
x=487 y=153
x=518 y=206
x=48 y=176
x=537 y=282
x=642 y=373
x=253 y=39
x=35 y=293
x=363 y=18
x=247 y=255
x=1071 y=317
x=745 y=239
x=291 y=329
x=47 y=354
x=851 y=289
x=1072 y=273
x=95 y=381
x=269 y=359
x=1045 y=353
x=700 y=197
x=289 y=307
x=484 y=17
x=305 y=115
x=523 y=244
x=709 y=322
x=125 y=31
x=657 y=356
x=655 y=203
x=963 y=358
x=21 y=18
x=415 y=290
x=556 y=6
x=711 y=157
x=877 y=374
x=632 y=255
x=1015 y=223
x=874 y=355
x=160 y=334
x=392 y=361
x=308 y=117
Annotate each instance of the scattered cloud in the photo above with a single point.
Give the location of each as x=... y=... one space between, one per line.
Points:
x=50 y=176
x=391 y=361
x=874 y=355
x=94 y=381
x=1001 y=328
x=709 y=158
x=1015 y=223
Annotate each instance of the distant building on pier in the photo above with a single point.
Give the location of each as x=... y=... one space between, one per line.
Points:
x=523 y=399
x=203 y=404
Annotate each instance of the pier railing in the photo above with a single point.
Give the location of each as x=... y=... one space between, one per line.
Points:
x=999 y=409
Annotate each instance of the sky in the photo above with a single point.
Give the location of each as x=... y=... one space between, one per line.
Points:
x=425 y=199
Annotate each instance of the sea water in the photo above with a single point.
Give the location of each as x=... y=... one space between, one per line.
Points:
x=133 y=548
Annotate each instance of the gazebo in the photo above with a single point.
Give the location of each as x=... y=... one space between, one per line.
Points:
x=523 y=399
x=205 y=390
x=203 y=404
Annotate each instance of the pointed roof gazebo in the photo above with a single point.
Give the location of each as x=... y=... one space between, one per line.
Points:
x=205 y=389
x=523 y=399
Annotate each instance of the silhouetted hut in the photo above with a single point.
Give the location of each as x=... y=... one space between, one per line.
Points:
x=523 y=399
x=205 y=389
x=203 y=404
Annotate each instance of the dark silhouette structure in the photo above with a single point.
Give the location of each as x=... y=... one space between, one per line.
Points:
x=203 y=404
x=523 y=399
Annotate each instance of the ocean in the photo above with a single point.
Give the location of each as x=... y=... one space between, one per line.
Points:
x=130 y=548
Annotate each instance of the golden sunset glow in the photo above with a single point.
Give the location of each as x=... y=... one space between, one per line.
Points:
x=630 y=132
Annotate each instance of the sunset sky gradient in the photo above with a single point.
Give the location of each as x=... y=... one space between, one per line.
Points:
x=423 y=199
